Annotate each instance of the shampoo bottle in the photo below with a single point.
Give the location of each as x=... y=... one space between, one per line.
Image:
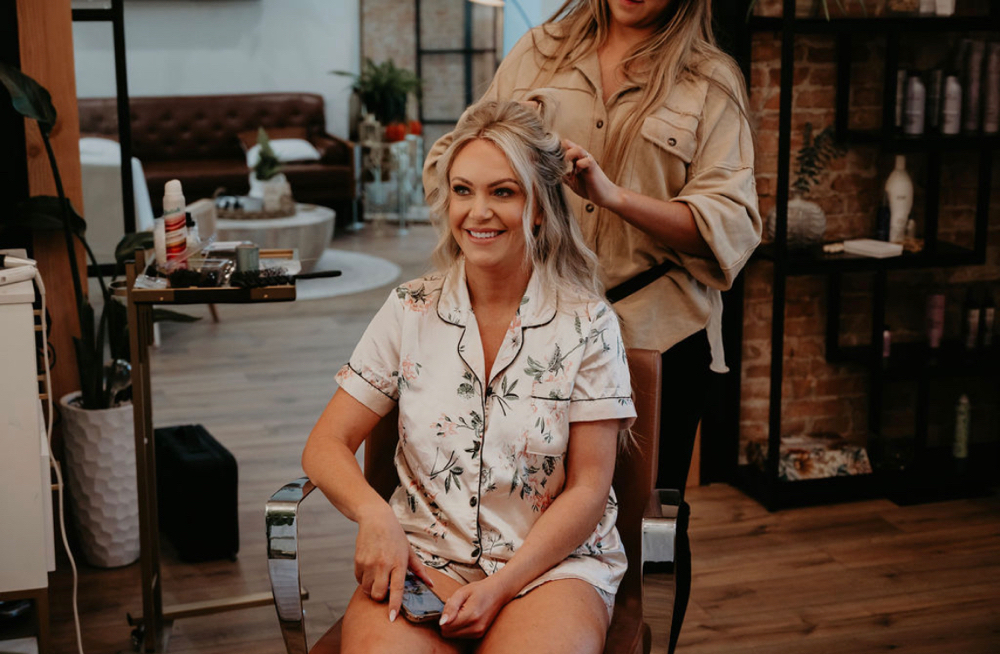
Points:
x=963 y=415
x=970 y=324
x=986 y=316
x=174 y=219
x=899 y=189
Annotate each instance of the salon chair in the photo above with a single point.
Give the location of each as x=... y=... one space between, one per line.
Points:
x=652 y=524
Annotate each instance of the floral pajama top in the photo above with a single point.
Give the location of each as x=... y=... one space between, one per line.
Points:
x=480 y=457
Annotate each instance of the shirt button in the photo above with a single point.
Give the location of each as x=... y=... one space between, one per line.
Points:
x=473 y=501
x=671 y=141
x=589 y=208
x=600 y=124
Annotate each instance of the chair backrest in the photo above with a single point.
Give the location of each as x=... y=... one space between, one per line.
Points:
x=635 y=471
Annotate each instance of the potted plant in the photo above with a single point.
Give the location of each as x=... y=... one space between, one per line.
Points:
x=806 y=220
x=267 y=182
x=383 y=89
x=98 y=429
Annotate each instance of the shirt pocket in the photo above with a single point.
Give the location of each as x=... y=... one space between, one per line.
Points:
x=548 y=435
x=673 y=132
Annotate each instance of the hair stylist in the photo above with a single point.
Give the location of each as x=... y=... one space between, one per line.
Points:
x=654 y=117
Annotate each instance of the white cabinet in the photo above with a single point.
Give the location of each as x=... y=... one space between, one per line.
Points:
x=27 y=553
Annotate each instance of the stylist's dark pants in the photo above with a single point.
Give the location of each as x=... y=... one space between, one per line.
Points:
x=687 y=381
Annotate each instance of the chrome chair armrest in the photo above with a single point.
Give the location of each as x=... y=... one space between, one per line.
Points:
x=281 y=520
x=659 y=526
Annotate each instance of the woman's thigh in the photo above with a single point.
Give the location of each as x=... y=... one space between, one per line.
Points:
x=367 y=629
x=565 y=615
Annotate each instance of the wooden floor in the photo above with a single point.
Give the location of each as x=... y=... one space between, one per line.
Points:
x=864 y=577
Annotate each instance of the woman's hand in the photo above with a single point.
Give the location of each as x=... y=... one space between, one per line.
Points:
x=586 y=177
x=471 y=609
x=381 y=557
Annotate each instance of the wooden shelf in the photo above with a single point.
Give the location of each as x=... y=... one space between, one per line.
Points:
x=904 y=144
x=226 y=295
x=880 y=25
x=936 y=476
x=813 y=261
x=909 y=361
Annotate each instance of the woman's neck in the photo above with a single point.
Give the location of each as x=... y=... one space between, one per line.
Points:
x=491 y=292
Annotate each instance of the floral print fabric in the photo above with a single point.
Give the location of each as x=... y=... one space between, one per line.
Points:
x=481 y=457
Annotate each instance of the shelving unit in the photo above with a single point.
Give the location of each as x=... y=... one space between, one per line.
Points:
x=909 y=362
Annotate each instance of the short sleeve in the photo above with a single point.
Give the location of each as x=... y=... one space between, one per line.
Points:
x=372 y=374
x=602 y=390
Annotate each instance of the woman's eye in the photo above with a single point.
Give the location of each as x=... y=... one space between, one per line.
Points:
x=459 y=189
x=503 y=192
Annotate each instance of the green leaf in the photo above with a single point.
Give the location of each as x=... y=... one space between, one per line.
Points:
x=43 y=213
x=30 y=98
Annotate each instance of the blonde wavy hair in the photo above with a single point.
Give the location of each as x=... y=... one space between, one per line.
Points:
x=683 y=46
x=555 y=248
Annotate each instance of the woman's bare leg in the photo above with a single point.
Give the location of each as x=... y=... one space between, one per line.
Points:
x=565 y=615
x=367 y=629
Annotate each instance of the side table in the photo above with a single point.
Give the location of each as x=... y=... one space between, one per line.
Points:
x=153 y=626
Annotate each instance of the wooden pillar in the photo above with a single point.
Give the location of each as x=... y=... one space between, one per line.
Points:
x=45 y=30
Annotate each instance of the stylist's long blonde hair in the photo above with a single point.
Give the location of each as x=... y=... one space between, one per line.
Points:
x=682 y=46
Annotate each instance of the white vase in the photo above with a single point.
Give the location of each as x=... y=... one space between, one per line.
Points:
x=101 y=481
x=899 y=190
x=806 y=223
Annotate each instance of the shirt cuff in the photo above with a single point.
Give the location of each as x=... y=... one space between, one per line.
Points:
x=603 y=408
x=367 y=392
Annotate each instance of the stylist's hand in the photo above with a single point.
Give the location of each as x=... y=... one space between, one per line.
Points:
x=471 y=609
x=381 y=557
x=586 y=177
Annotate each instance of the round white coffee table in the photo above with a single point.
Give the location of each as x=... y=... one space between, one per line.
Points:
x=309 y=231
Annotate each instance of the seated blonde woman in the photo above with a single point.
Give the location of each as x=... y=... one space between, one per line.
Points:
x=512 y=385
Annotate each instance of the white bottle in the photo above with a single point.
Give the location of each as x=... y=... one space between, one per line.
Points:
x=174 y=220
x=951 y=110
x=916 y=97
x=960 y=446
x=991 y=94
x=899 y=189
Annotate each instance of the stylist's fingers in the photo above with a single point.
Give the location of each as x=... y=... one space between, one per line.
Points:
x=380 y=585
x=396 y=579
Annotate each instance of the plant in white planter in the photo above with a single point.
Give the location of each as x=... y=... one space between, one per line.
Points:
x=267 y=182
x=806 y=219
x=99 y=433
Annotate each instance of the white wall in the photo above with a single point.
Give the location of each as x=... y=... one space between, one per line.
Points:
x=203 y=47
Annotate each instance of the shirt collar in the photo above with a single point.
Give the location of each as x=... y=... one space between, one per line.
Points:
x=589 y=66
x=538 y=306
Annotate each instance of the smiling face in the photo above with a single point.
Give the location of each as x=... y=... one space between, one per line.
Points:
x=640 y=15
x=485 y=212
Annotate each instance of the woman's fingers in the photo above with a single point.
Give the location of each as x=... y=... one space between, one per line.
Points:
x=454 y=605
x=396 y=579
x=417 y=566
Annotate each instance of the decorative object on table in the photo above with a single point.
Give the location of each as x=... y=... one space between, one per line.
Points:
x=812 y=456
x=806 y=219
x=99 y=428
x=869 y=247
x=899 y=189
x=267 y=182
x=383 y=89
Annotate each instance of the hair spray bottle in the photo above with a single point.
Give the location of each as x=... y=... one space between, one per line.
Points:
x=174 y=220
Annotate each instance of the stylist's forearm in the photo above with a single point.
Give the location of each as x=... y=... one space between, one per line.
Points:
x=668 y=222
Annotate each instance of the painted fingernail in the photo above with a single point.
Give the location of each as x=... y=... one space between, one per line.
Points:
x=392 y=615
x=444 y=619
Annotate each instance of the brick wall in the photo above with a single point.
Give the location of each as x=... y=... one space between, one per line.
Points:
x=819 y=396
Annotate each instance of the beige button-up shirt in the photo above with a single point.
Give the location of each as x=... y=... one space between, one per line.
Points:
x=482 y=454
x=696 y=148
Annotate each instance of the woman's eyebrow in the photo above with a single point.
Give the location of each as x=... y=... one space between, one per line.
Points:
x=499 y=182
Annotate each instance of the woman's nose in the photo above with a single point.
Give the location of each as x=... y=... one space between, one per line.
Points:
x=481 y=207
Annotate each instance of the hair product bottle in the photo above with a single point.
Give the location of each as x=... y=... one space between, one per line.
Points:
x=972 y=70
x=951 y=106
x=963 y=416
x=174 y=219
x=987 y=316
x=970 y=322
x=935 y=320
x=899 y=189
x=916 y=99
x=991 y=94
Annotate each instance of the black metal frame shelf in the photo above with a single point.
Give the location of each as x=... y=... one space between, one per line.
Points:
x=910 y=361
x=765 y=485
x=116 y=16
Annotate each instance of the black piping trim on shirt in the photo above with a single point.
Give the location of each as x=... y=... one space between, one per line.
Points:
x=582 y=399
x=394 y=399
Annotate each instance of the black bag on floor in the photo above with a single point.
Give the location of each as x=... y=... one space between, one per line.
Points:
x=197 y=494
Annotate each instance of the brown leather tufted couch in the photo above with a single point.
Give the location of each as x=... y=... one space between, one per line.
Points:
x=196 y=139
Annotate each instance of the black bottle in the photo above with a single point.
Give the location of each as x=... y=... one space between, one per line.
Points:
x=986 y=322
x=970 y=322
